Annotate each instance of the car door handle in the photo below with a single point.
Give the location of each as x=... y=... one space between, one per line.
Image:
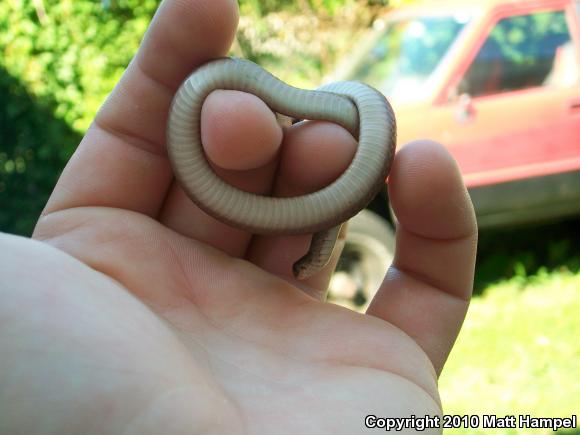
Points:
x=574 y=104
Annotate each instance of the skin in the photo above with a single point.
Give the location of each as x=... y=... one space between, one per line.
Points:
x=134 y=312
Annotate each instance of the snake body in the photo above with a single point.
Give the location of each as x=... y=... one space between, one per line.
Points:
x=360 y=109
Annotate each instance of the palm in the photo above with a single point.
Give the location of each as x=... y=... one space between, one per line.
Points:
x=235 y=341
x=152 y=317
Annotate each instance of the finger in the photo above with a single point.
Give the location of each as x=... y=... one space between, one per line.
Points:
x=241 y=139
x=313 y=155
x=427 y=289
x=122 y=161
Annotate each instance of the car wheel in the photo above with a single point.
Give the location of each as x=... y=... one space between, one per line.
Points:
x=368 y=253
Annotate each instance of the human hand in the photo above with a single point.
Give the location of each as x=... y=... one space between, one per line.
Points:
x=138 y=324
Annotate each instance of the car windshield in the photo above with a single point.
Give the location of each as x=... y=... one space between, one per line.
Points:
x=406 y=54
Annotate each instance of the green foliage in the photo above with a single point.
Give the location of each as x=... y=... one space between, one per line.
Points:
x=59 y=59
x=33 y=148
x=301 y=41
x=263 y=7
x=71 y=51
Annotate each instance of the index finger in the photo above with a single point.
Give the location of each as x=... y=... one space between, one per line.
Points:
x=121 y=162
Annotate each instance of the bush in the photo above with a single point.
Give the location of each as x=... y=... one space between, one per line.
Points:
x=59 y=60
x=72 y=52
x=34 y=147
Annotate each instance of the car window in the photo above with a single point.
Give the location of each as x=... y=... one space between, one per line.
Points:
x=521 y=52
x=407 y=53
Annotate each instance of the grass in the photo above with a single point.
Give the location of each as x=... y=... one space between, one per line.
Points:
x=518 y=352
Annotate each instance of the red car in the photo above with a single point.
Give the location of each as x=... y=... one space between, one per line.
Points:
x=495 y=81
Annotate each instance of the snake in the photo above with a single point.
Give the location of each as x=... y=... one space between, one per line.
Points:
x=362 y=110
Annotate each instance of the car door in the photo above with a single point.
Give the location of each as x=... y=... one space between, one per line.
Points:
x=514 y=110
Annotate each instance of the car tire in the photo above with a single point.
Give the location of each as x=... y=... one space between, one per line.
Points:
x=368 y=252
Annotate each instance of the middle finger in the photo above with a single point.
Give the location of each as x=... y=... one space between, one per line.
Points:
x=241 y=139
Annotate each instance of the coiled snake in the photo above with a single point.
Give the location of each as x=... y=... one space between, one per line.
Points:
x=362 y=110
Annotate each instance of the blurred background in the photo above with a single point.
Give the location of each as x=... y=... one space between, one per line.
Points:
x=496 y=81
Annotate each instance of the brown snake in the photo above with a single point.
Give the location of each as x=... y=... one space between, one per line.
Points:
x=362 y=110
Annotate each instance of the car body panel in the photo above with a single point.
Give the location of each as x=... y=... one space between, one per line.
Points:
x=526 y=139
x=486 y=134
